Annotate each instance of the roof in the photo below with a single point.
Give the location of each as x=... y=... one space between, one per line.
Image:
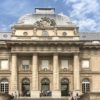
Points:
x=89 y=35
x=40 y=13
x=47 y=16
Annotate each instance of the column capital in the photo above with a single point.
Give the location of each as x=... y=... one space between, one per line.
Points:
x=14 y=54
x=77 y=54
x=35 y=54
x=55 y=54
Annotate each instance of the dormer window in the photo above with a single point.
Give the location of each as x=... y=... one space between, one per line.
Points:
x=45 y=33
x=64 y=33
x=5 y=35
x=25 y=33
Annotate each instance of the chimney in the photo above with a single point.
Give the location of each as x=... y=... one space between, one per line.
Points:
x=44 y=10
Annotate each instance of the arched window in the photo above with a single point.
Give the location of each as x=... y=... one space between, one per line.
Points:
x=64 y=87
x=85 y=86
x=26 y=87
x=25 y=33
x=64 y=33
x=45 y=33
x=45 y=85
x=4 y=86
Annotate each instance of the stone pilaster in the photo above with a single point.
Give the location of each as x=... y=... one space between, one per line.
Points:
x=35 y=92
x=76 y=73
x=56 y=91
x=34 y=31
x=14 y=78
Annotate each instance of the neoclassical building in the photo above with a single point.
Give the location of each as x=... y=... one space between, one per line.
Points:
x=46 y=55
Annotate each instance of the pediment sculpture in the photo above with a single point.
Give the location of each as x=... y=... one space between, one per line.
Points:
x=45 y=21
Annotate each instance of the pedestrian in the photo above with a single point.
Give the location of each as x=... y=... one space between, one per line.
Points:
x=72 y=98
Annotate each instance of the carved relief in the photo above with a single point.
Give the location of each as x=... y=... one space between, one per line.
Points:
x=13 y=31
x=45 y=22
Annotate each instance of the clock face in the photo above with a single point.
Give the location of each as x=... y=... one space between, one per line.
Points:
x=45 y=33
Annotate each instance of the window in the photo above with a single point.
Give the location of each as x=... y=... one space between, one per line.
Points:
x=85 y=64
x=64 y=64
x=4 y=86
x=45 y=64
x=45 y=85
x=64 y=87
x=26 y=87
x=85 y=86
x=25 y=64
x=4 y=65
x=5 y=35
x=45 y=33
x=25 y=33
x=64 y=33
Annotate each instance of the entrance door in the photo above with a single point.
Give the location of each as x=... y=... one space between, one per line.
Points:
x=26 y=87
x=64 y=87
x=45 y=85
x=45 y=88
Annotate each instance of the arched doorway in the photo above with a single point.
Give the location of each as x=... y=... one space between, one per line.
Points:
x=25 y=87
x=4 y=86
x=45 y=85
x=64 y=87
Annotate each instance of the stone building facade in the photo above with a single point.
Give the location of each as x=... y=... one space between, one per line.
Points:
x=44 y=55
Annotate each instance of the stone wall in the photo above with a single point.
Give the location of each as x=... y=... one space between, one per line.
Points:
x=5 y=97
x=85 y=97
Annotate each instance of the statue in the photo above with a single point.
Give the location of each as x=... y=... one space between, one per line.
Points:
x=45 y=21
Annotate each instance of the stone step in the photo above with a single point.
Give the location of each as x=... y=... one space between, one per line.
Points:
x=66 y=98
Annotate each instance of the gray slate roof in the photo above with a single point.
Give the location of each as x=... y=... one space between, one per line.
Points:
x=89 y=36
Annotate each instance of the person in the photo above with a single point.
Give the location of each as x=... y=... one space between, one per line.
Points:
x=77 y=95
x=12 y=95
x=72 y=98
x=15 y=95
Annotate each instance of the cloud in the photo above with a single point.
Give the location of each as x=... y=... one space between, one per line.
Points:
x=70 y=1
x=85 y=14
x=4 y=27
x=87 y=24
x=11 y=10
x=13 y=7
x=66 y=17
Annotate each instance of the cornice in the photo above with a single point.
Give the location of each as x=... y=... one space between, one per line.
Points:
x=90 y=72
x=29 y=26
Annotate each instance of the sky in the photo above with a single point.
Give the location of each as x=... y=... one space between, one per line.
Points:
x=83 y=13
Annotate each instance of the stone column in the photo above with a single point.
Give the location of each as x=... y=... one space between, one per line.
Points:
x=76 y=73
x=56 y=91
x=14 y=76
x=34 y=91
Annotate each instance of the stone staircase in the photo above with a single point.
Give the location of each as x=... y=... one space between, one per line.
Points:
x=45 y=98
